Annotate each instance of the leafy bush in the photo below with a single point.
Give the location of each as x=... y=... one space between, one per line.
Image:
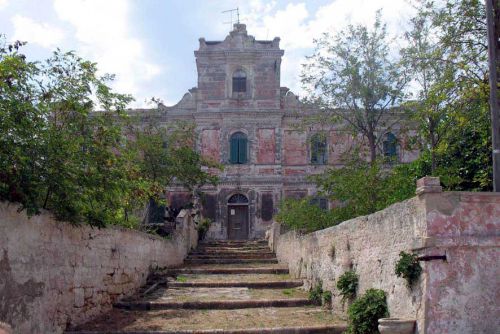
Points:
x=365 y=311
x=408 y=267
x=327 y=297
x=348 y=284
x=316 y=294
x=58 y=153
x=203 y=227
x=303 y=216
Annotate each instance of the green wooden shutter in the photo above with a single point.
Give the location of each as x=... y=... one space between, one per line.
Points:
x=233 y=150
x=242 y=150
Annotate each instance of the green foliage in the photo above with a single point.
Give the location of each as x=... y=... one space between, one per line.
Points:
x=408 y=267
x=347 y=285
x=316 y=294
x=447 y=59
x=365 y=311
x=303 y=216
x=57 y=153
x=327 y=297
x=182 y=279
x=363 y=188
x=203 y=227
x=355 y=82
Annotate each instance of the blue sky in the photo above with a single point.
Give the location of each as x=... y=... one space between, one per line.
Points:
x=149 y=44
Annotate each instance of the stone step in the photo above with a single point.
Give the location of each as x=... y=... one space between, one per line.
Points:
x=242 y=284
x=327 y=329
x=235 y=242
x=303 y=320
x=228 y=278
x=226 y=270
x=229 y=261
x=232 y=250
x=213 y=304
x=219 y=294
x=232 y=256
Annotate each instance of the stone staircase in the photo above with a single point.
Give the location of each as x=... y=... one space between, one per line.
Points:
x=223 y=287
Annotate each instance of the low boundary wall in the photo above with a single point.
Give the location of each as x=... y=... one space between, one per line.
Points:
x=458 y=295
x=53 y=274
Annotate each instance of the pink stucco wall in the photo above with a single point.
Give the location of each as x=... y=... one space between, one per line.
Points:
x=458 y=295
x=463 y=293
x=295 y=150
x=267 y=146
x=210 y=144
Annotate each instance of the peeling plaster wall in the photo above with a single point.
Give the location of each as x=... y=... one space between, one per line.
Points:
x=463 y=293
x=53 y=274
x=459 y=295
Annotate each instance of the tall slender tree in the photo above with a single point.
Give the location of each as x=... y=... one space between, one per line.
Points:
x=353 y=79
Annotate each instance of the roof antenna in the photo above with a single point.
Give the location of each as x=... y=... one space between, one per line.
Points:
x=231 y=11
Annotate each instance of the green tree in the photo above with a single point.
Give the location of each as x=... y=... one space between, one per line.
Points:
x=353 y=80
x=58 y=153
x=433 y=84
x=302 y=215
x=452 y=108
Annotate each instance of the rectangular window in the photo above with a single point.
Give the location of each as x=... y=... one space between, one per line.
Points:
x=267 y=207
x=239 y=85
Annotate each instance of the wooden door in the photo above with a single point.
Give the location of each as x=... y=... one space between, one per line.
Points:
x=237 y=222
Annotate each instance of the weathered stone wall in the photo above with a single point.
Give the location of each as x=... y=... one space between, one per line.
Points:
x=53 y=274
x=459 y=295
x=369 y=245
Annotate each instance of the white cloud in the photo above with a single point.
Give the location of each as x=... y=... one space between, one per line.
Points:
x=298 y=26
x=3 y=4
x=102 y=34
x=43 y=34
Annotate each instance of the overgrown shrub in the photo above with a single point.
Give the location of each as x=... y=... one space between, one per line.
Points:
x=347 y=285
x=408 y=267
x=327 y=297
x=316 y=294
x=365 y=311
x=203 y=227
x=320 y=297
x=303 y=216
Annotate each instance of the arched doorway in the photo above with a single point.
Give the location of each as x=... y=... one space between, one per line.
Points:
x=237 y=217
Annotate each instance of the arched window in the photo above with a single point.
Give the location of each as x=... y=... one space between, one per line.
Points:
x=238 y=199
x=239 y=81
x=238 y=148
x=318 y=149
x=390 y=146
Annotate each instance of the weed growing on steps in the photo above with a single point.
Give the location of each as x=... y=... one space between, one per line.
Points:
x=320 y=297
x=181 y=279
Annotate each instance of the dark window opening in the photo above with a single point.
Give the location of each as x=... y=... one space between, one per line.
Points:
x=318 y=150
x=238 y=148
x=390 y=146
x=209 y=206
x=320 y=202
x=239 y=82
x=267 y=207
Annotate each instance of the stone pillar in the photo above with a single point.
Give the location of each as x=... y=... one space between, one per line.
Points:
x=428 y=184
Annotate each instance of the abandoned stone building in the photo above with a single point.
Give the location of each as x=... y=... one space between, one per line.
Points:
x=249 y=123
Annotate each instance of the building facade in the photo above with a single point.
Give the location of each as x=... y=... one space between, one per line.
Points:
x=254 y=127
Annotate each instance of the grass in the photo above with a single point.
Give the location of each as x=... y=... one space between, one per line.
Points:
x=181 y=279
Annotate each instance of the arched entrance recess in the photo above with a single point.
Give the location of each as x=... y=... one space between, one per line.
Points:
x=237 y=217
